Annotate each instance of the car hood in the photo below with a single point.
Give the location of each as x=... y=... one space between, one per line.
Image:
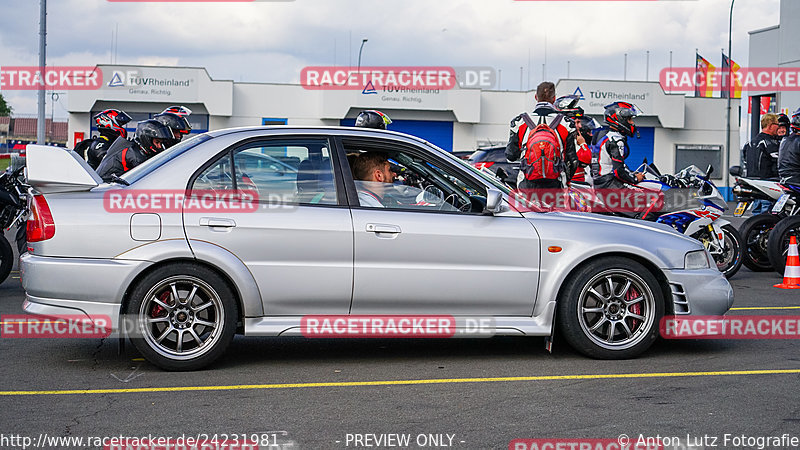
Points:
x=596 y=233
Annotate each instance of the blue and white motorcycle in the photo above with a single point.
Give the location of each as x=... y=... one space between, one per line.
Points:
x=702 y=219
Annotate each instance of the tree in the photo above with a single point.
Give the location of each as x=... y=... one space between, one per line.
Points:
x=5 y=108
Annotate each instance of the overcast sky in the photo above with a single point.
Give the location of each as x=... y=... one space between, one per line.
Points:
x=272 y=41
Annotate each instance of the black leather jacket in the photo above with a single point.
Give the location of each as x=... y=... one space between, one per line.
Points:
x=122 y=156
x=789 y=159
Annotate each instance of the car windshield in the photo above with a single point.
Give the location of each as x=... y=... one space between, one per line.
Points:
x=138 y=172
x=478 y=155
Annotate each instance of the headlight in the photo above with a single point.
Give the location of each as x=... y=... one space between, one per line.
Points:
x=696 y=260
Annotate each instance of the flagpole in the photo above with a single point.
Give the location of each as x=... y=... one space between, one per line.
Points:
x=728 y=121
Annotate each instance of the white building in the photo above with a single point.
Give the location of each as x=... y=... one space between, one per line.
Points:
x=675 y=130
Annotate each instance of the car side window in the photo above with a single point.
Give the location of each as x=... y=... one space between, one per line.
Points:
x=407 y=180
x=286 y=171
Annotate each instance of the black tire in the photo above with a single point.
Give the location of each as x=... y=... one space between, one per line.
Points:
x=6 y=258
x=778 y=245
x=583 y=316
x=755 y=237
x=205 y=323
x=731 y=258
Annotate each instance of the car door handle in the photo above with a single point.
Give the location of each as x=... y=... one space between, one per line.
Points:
x=217 y=222
x=383 y=228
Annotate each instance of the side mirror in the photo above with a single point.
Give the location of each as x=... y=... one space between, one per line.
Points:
x=494 y=199
x=735 y=171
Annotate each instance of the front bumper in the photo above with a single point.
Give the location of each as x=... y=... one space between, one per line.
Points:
x=66 y=287
x=703 y=292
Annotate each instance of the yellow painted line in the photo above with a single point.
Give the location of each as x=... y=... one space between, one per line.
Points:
x=764 y=308
x=241 y=387
x=137 y=359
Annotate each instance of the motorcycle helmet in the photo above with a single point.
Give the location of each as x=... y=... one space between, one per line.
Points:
x=177 y=123
x=114 y=120
x=148 y=131
x=373 y=119
x=796 y=121
x=619 y=117
x=568 y=105
x=179 y=110
x=783 y=123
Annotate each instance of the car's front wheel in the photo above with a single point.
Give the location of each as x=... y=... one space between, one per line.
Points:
x=183 y=316
x=610 y=309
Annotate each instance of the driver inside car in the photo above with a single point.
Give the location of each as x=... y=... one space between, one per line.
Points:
x=373 y=175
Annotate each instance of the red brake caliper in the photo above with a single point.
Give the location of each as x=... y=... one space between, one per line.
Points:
x=636 y=308
x=157 y=310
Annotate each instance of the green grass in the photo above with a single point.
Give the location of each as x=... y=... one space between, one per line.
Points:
x=4 y=163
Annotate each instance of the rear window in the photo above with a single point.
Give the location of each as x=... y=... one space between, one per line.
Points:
x=143 y=169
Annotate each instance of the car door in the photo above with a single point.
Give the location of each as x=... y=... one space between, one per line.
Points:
x=297 y=241
x=420 y=256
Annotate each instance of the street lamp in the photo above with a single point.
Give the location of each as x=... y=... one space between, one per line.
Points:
x=728 y=87
x=363 y=41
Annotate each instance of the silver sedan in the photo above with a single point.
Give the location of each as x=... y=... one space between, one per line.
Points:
x=180 y=274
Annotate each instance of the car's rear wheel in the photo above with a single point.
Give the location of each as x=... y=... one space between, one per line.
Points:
x=184 y=316
x=610 y=309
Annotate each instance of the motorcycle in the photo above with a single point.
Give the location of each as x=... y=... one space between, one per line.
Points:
x=778 y=240
x=702 y=221
x=755 y=230
x=13 y=212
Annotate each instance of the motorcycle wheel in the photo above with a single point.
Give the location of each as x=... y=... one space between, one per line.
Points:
x=778 y=245
x=730 y=261
x=6 y=258
x=755 y=237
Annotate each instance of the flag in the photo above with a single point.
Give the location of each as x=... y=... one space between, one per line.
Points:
x=703 y=88
x=766 y=103
x=735 y=89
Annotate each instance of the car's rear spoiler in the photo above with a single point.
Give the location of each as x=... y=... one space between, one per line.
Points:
x=55 y=169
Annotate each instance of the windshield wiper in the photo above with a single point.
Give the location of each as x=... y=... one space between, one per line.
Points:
x=116 y=179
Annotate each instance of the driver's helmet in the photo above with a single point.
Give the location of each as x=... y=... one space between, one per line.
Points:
x=373 y=119
x=114 y=120
x=568 y=105
x=619 y=117
x=149 y=130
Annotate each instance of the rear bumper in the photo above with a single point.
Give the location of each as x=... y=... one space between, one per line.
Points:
x=59 y=287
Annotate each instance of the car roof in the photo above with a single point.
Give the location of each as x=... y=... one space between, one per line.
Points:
x=349 y=131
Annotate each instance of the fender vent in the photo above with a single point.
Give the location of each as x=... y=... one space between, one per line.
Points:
x=680 y=304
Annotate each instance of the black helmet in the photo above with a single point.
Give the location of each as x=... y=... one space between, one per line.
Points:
x=373 y=119
x=114 y=120
x=174 y=117
x=568 y=105
x=617 y=117
x=147 y=131
x=796 y=121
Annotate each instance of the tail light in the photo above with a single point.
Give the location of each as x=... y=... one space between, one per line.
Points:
x=484 y=165
x=41 y=225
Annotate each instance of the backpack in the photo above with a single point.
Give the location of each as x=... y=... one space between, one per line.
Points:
x=596 y=149
x=542 y=157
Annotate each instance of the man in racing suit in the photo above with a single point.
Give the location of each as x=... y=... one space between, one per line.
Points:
x=544 y=111
x=613 y=172
x=789 y=154
x=110 y=125
x=124 y=154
